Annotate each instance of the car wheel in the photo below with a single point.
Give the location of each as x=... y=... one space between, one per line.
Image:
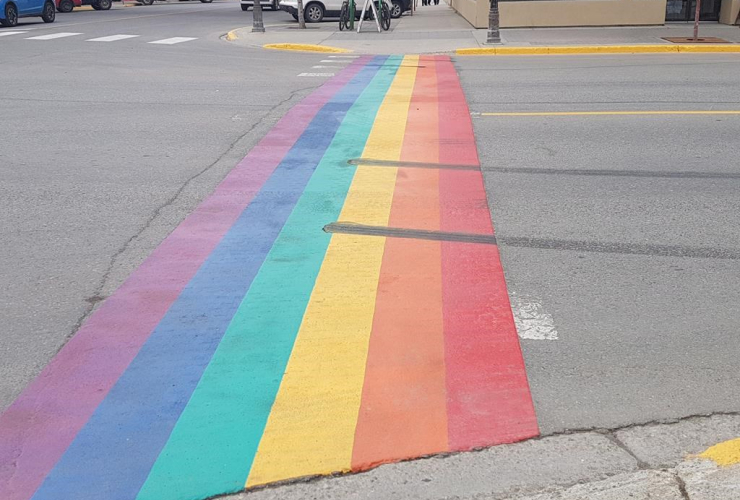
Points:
x=245 y=7
x=206 y=1
x=396 y=9
x=11 y=15
x=146 y=2
x=313 y=13
x=66 y=6
x=49 y=13
x=104 y=4
x=295 y=16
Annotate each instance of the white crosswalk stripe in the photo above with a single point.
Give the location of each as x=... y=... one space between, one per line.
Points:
x=53 y=36
x=335 y=61
x=112 y=38
x=344 y=57
x=174 y=40
x=7 y=33
x=316 y=74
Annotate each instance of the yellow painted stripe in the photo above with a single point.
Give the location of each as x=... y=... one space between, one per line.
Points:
x=597 y=49
x=305 y=47
x=608 y=113
x=726 y=453
x=312 y=424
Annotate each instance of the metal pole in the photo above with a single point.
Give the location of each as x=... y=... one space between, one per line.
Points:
x=352 y=9
x=257 y=25
x=493 y=22
x=696 y=20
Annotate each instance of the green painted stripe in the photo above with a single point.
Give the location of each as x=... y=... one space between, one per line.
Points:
x=213 y=445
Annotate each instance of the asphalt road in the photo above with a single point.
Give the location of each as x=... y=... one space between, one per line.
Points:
x=106 y=146
x=635 y=263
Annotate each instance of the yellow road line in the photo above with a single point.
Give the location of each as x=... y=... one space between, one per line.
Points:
x=312 y=424
x=608 y=113
x=305 y=47
x=726 y=453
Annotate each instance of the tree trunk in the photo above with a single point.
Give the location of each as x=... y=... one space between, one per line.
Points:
x=301 y=20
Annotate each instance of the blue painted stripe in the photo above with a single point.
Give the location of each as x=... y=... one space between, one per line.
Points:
x=112 y=455
x=237 y=390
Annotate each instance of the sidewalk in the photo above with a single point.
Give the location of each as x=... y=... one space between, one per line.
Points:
x=438 y=29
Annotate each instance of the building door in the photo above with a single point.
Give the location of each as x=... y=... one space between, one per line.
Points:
x=683 y=10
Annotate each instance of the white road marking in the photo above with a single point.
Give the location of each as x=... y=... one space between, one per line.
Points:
x=112 y=38
x=316 y=74
x=334 y=62
x=174 y=40
x=53 y=36
x=532 y=321
x=323 y=67
x=6 y=33
x=344 y=57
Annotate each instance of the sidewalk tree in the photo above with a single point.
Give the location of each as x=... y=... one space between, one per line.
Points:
x=493 y=22
x=257 y=24
x=696 y=20
x=301 y=19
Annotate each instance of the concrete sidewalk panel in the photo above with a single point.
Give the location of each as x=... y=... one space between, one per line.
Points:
x=667 y=445
x=523 y=467
x=706 y=481
x=641 y=485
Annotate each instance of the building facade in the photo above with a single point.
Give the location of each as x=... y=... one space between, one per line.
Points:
x=554 y=13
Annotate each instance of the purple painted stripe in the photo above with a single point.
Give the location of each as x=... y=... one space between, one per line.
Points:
x=39 y=426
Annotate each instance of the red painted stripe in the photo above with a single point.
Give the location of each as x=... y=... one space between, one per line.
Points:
x=42 y=422
x=488 y=398
x=403 y=410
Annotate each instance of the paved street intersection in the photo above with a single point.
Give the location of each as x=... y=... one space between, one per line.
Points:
x=258 y=266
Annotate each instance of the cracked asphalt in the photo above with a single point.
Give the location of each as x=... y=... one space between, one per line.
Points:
x=107 y=147
x=623 y=231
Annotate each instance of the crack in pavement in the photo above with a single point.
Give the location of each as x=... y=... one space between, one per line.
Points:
x=608 y=433
x=97 y=297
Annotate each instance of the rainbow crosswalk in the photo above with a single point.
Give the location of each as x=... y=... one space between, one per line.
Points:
x=337 y=303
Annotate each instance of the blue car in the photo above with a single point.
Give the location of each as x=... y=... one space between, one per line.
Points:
x=11 y=10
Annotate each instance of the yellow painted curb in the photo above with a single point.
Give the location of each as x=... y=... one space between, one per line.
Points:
x=231 y=36
x=304 y=47
x=726 y=453
x=596 y=49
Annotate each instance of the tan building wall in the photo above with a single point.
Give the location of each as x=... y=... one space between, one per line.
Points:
x=567 y=12
x=728 y=11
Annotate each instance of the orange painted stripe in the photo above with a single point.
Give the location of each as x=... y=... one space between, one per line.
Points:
x=403 y=410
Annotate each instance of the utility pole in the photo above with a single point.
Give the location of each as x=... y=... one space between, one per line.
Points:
x=301 y=19
x=696 y=20
x=257 y=24
x=493 y=34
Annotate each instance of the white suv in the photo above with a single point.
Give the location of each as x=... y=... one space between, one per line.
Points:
x=247 y=4
x=316 y=10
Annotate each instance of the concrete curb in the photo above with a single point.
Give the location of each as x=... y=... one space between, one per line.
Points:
x=598 y=49
x=305 y=47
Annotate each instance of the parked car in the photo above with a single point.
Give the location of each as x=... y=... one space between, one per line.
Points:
x=316 y=10
x=271 y=4
x=10 y=11
x=69 y=5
